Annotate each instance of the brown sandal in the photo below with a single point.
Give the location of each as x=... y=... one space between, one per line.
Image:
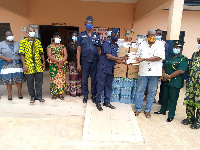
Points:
x=136 y=113
x=147 y=114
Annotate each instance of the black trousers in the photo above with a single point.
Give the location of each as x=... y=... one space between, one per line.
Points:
x=34 y=83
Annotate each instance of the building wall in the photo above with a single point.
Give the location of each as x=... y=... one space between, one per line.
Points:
x=16 y=22
x=16 y=6
x=159 y=20
x=74 y=13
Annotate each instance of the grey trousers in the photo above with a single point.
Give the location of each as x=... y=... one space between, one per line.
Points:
x=36 y=78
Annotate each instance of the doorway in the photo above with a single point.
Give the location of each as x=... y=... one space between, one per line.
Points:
x=46 y=34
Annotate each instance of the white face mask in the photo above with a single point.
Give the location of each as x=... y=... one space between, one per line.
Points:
x=199 y=46
x=57 y=40
x=176 y=50
x=10 y=38
x=31 y=34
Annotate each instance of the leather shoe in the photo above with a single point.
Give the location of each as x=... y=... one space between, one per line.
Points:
x=109 y=105
x=93 y=99
x=99 y=107
x=169 y=119
x=85 y=99
x=158 y=113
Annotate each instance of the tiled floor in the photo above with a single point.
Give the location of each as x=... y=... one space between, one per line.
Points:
x=111 y=124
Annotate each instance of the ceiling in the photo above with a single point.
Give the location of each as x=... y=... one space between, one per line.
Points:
x=120 y=1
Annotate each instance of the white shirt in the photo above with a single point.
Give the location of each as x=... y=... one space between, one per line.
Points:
x=151 y=68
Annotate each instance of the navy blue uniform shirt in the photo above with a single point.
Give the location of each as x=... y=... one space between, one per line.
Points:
x=89 y=46
x=107 y=65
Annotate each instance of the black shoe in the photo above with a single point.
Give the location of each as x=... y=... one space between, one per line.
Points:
x=85 y=99
x=99 y=107
x=195 y=126
x=109 y=105
x=158 y=113
x=93 y=99
x=185 y=122
x=169 y=119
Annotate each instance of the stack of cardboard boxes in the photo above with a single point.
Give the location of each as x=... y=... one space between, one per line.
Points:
x=123 y=70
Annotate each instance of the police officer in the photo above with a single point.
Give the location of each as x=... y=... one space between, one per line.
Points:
x=105 y=69
x=88 y=52
x=173 y=70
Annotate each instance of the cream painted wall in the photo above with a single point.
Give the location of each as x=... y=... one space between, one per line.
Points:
x=74 y=13
x=17 y=6
x=16 y=22
x=159 y=20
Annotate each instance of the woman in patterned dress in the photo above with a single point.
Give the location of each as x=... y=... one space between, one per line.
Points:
x=11 y=65
x=74 y=84
x=57 y=56
x=192 y=96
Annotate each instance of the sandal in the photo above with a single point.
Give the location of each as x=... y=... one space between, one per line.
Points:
x=136 y=113
x=185 y=122
x=53 y=97
x=61 y=97
x=10 y=97
x=195 y=126
x=147 y=114
x=41 y=100
x=32 y=101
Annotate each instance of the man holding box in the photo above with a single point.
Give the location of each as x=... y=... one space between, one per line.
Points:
x=105 y=69
x=150 y=55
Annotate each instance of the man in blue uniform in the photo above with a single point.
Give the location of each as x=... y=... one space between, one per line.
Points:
x=88 y=52
x=105 y=69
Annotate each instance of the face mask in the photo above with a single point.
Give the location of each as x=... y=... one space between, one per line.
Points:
x=31 y=34
x=109 y=33
x=74 y=38
x=199 y=46
x=158 y=38
x=176 y=50
x=57 y=40
x=152 y=39
x=89 y=26
x=114 y=38
x=10 y=38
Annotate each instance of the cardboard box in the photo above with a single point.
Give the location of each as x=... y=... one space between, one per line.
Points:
x=123 y=51
x=120 y=70
x=133 y=75
x=133 y=68
x=133 y=50
x=133 y=71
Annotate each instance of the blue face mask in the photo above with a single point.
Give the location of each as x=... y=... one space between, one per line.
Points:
x=89 y=26
x=114 y=38
x=109 y=33
x=176 y=50
x=158 y=38
x=74 y=38
x=199 y=46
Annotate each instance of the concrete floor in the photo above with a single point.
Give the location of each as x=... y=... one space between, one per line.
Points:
x=59 y=125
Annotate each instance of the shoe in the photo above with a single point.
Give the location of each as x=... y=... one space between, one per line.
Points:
x=99 y=107
x=147 y=114
x=32 y=100
x=185 y=122
x=169 y=119
x=109 y=105
x=136 y=113
x=21 y=97
x=85 y=99
x=41 y=99
x=93 y=99
x=195 y=126
x=158 y=113
x=10 y=98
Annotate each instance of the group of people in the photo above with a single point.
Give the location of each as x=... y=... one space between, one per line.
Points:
x=85 y=56
x=155 y=63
